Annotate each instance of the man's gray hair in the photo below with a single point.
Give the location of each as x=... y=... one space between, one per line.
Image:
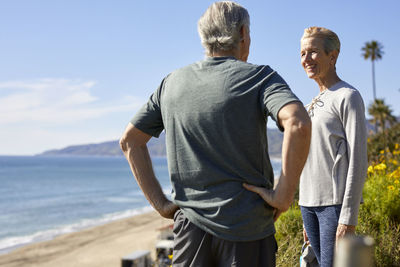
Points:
x=219 y=27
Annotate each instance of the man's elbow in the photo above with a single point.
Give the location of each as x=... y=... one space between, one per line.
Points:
x=295 y=120
x=126 y=143
x=123 y=144
x=301 y=126
x=304 y=128
x=133 y=139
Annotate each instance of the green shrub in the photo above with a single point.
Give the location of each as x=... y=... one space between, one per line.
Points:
x=386 y=235
x=289 y=235
x=376 y=143
x=382 y=198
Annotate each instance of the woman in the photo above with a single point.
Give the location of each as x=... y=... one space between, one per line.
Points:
x=333 y=177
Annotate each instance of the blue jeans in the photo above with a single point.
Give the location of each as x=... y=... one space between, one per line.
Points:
x=321 y=224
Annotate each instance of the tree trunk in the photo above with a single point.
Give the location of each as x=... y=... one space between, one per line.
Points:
x=374 y=90
x=373 y=80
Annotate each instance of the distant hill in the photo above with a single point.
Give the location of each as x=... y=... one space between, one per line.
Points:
x=156 y=147
x=110 y=148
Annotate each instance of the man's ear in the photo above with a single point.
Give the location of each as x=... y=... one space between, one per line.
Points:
x=243 y=31
x=334 y=56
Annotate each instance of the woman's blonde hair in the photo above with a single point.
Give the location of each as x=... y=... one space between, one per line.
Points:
x=331 y=40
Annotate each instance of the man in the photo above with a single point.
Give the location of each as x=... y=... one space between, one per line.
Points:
x=214 y=114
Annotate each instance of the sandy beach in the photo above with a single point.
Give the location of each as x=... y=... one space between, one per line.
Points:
x=99 y=246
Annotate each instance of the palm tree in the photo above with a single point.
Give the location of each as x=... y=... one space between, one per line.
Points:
x=381 y=114
x=373 y=50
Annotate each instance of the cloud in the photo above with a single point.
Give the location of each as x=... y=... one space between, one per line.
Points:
x=56 y=101
x=44 y=114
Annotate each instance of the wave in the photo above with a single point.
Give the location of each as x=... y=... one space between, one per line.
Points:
x=11 y=243
x=123 y=200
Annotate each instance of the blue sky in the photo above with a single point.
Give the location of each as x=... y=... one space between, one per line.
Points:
x=76 y=71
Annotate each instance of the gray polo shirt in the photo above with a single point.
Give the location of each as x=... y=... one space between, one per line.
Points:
x=336 y=166
x=214 y=113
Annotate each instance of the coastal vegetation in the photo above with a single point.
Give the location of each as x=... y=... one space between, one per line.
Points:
x=379 y=215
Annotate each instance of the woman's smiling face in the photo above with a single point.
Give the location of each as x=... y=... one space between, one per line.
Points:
x=314 y=60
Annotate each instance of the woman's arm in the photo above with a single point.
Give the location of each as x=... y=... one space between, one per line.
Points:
x=354 y=125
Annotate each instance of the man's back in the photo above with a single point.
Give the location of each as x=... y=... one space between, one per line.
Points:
x=214 y=114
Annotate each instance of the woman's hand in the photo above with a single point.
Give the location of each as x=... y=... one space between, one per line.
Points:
x=305 y=237
x=343 y=230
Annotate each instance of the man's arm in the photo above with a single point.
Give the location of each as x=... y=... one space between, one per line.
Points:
x=296 y=141
x=133 y=144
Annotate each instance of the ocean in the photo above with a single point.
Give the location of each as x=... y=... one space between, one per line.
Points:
x=42 y=197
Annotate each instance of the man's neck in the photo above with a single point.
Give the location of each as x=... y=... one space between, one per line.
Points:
x=223 y=54
x=235 y=54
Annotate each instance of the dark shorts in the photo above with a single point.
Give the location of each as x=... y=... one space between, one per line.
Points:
x=195 y=247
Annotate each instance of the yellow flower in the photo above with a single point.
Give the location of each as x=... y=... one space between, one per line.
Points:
x=396 y=182
x=390 y=187
x=370 y=169
x=395 y=174
x=395 y=162
x=382 y=151
x=396 y=146
x=380 y=167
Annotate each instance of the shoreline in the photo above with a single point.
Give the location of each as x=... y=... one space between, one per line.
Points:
x=102 y=245
x=50 y=234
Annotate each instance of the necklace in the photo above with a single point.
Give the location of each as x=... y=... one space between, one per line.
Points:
x=316 y=101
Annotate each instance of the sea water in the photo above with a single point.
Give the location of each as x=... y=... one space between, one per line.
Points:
x=42 y=197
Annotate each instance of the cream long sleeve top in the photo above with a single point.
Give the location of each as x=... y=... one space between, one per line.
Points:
x=336 y=166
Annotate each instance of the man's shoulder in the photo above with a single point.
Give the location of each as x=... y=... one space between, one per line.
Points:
x=231 y=62
x=258 y=71
x=253 y=66
x=239 y=69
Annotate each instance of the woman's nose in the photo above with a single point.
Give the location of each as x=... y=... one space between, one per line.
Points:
x=307 y=57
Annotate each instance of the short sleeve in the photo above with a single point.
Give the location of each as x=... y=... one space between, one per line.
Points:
x=276 y=95
x=149 y=118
